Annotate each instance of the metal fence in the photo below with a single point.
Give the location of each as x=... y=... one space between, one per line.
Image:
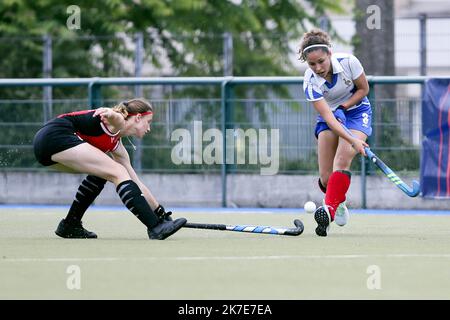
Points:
x=422 y=47
x=221 y=109
x=197 y=105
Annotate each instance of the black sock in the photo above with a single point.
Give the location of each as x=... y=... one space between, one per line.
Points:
x=322 y=187
x=88 y=190
x=132 y=197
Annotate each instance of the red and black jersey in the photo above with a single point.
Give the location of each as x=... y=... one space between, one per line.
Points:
x=92 y=130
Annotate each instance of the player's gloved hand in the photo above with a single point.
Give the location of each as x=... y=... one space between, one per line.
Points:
x=162 y=214
x=339 y=113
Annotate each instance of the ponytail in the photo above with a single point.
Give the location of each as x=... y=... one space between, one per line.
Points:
x=122 y=109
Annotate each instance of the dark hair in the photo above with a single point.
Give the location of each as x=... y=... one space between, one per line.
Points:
x=138 y=105
x=315 y=36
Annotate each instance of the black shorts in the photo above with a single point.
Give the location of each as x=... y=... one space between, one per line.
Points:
x=55 y=136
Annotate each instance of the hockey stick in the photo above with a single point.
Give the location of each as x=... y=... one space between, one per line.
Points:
x=252 y=229
x=410 y=191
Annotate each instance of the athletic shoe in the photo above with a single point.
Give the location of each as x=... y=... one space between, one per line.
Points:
x=165 y=229
x=323 y=219
x=73 y=230
x=342 y=215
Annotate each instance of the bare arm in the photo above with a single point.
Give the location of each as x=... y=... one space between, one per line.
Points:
x=322 y=107
x=113 y=119
x=362 y=90
x=121 y=156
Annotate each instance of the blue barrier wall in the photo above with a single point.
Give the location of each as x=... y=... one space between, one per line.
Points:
x=435 y=166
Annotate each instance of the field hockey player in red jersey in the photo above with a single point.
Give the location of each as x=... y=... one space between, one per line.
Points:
x=79 y=142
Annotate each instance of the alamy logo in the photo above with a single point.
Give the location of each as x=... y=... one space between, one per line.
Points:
x=374 y=20
x=260 y=142
x=74 y=279
x=374 y=280
x=74 y=20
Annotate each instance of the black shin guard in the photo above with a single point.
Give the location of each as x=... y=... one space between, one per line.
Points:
x=88 y=190
x=132 y=197
x=322 y=187
x=348 y=173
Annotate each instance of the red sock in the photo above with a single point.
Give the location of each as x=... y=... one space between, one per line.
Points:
x=337 y=187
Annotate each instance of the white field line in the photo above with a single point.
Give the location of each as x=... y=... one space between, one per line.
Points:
x=286 y=257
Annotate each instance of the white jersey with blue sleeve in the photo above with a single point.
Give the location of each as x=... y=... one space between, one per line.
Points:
x=346 y=68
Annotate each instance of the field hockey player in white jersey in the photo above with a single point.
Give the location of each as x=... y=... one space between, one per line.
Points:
x=337 y=87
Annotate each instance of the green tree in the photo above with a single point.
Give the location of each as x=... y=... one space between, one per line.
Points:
x=262 y=29
x=185 y=35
